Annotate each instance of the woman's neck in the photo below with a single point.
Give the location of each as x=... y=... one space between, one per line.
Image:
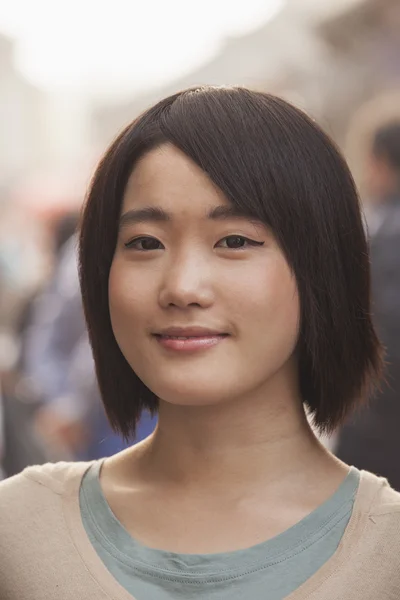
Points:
x=223 y=477
x=233 y=444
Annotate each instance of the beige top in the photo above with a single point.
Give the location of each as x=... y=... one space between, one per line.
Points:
x=45 y=553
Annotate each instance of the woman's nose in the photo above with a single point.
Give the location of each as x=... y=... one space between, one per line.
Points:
x=187 y=283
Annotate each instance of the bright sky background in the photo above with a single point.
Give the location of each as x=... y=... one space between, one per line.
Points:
x=122 y=44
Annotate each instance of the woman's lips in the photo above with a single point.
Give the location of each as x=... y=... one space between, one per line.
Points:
x=189 y=343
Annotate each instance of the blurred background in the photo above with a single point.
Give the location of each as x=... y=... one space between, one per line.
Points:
x=71 y=76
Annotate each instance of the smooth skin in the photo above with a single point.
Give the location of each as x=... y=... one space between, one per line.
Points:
x=233 y=460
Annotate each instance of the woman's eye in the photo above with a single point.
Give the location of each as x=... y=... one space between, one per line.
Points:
x=238 y=241
x=144 y=244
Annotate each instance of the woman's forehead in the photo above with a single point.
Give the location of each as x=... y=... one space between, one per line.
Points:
x=167 y=178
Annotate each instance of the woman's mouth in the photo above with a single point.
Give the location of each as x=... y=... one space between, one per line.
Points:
x=190 y=343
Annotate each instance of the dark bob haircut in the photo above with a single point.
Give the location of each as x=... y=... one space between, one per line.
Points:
x=274 y=163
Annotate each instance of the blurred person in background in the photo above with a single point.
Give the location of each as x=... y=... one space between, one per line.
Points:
x=20 y=446
x=20 y=443
x=371 y=439
x=61 y=230
x=56 y=357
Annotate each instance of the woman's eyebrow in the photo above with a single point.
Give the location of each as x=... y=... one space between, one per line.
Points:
x=144 y=215
x=157 y=214
x=220 y=213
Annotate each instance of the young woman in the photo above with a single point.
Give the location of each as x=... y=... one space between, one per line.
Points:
x=225 y=281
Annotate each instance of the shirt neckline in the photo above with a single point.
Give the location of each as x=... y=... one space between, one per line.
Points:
x=117 y=541
x=368 y=488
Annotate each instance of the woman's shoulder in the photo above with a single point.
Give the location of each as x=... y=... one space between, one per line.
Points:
x=383 y=498
x=380 y=504
x=386 y=500
x=368 y=558
x=38 y=481
x=31 y=503
x=35 y=530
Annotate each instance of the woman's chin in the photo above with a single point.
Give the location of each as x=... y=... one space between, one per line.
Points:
x=193 y=397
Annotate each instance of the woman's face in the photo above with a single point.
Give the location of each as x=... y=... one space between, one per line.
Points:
x=203 y=304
